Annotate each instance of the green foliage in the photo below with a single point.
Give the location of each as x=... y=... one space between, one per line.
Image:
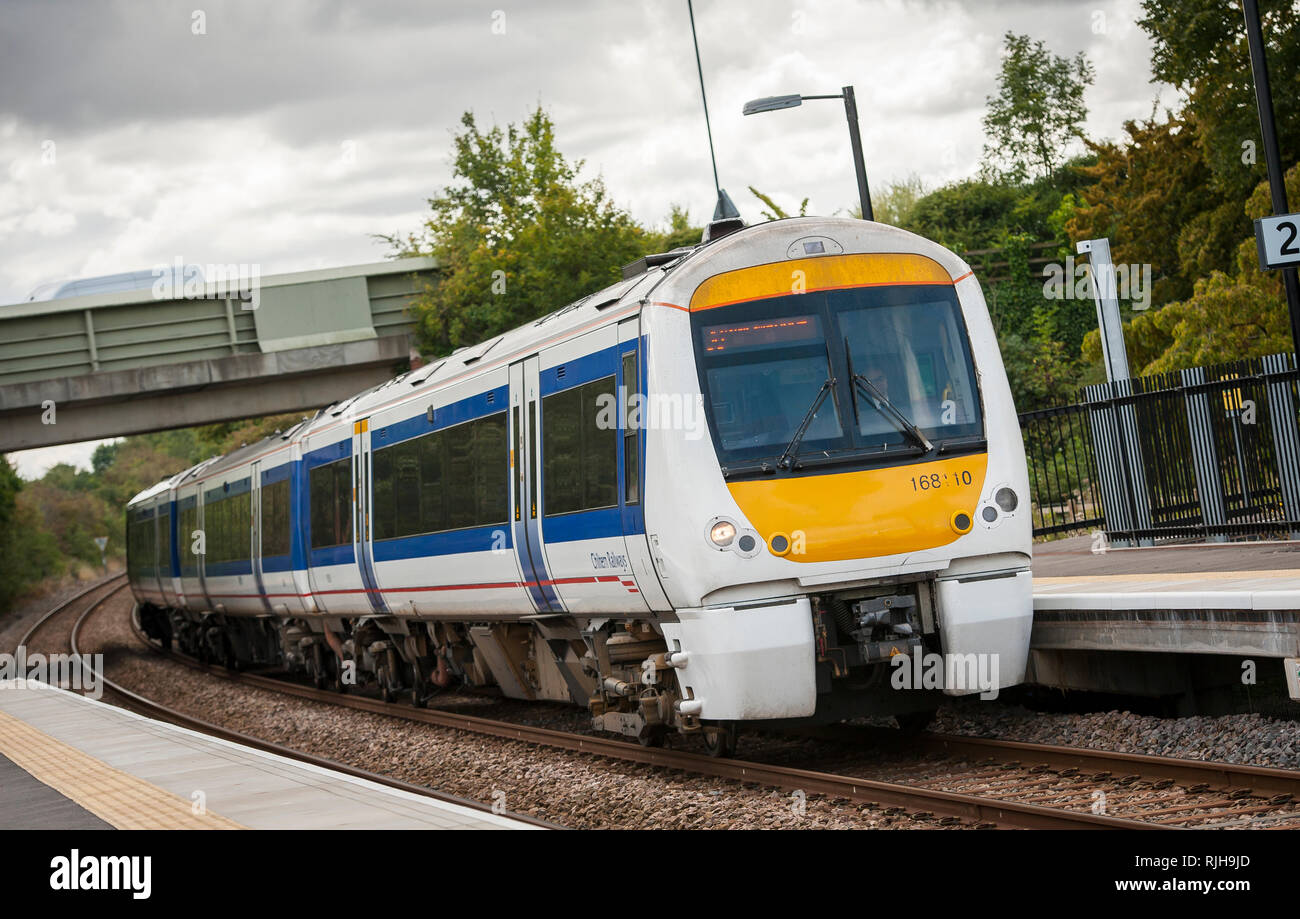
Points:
x=774 y=211
x=27 y=552
x=1226 y=317
x=1038 y=111
x=517 y=236
x=894 y=206
x=1133 y=200
x=1200 y=47
x=681 y=232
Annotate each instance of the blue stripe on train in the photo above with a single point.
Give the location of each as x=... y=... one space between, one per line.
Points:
x=452 y=542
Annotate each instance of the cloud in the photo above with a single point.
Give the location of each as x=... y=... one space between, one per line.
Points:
x=287 y=134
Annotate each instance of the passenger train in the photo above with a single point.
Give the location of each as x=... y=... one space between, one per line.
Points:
x=732 y=488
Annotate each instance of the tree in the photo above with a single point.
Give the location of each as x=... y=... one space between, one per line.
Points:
x=27 y=552
x=775 y=211
x=681 y=232
x=1226 y=317
x=1129 y=201
x=1200 y=47
x=894 y=206
x=1038 y=110
x=516 y=237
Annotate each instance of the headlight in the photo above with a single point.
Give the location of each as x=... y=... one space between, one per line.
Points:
x=1007 y=500
x=989 y=513
x=723 y=532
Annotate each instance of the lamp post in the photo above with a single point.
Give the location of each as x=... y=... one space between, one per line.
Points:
x=772 y=103
x=1272 y=156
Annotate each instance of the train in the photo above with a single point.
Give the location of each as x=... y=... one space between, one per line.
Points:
x=761 y=480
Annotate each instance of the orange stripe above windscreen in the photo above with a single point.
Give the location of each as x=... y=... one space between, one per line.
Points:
x=827 y=272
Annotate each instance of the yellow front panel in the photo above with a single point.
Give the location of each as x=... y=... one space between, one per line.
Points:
x=864 y=514
x=828 y=272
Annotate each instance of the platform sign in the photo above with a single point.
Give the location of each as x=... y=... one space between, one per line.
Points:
x=1292 y=665
x=1278 y=240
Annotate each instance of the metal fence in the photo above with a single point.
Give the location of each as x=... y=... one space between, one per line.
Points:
x=1209 y=453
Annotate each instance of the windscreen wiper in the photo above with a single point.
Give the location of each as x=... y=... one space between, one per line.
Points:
x=882 y=404
x=788 y=454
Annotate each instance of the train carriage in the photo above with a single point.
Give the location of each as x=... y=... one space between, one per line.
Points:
x=732 y=488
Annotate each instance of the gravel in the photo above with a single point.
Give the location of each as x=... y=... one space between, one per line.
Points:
x=591 y=792
x=1248 y=739
x=571 y=789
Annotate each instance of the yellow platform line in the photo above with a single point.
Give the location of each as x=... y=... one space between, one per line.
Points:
x=1270 y=573
x=116 y=797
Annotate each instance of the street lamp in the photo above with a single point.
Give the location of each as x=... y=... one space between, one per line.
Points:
x=772 y=103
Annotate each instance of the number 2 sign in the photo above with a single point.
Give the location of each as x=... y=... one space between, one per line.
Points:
x=1278 y=239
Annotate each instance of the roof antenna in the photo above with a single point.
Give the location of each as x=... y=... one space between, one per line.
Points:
x=725 y=212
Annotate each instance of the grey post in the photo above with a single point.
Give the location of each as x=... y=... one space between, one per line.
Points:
x=1114 y=420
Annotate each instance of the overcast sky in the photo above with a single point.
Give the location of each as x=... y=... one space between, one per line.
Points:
x=286 y=133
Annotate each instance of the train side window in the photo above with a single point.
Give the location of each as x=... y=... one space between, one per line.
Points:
x=631 y=432
x=491 y=470
x=186 y=526
x=580 y=456
x=383 y=510
x=275 y=519
x=165 y=540
x=517 y=463
x=244 y=524
x=447 y=480
x=330 y=490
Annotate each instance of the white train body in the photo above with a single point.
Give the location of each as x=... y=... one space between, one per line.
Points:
x=729 y=488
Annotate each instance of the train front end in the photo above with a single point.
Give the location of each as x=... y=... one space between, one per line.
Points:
x=846 y=529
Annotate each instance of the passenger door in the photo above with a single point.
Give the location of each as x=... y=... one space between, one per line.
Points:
x=579 y=455
x=525 y=475
x=362 y=541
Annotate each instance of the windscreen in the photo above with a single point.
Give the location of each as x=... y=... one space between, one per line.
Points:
x=868 y=369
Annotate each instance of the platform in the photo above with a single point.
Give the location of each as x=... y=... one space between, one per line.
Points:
x=67 y=761
x=1234 y=601
x=1219 y=599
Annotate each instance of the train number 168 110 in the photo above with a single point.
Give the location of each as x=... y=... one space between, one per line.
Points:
x=938 y=480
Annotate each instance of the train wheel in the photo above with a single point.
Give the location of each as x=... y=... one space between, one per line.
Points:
x=652 y=737
x=318 y=677
x=418 y=684
x=721 y=742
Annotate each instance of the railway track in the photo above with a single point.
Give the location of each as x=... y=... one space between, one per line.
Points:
x=154 y=709
x=53 y=618
x=1016 y=781
x=949 y=806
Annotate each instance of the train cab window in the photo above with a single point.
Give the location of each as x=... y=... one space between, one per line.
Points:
x=853 y=375
x=330 y=493
x=913 y=351
x=275 y=519
x=579 y=449
x=450 y=479
x=765 y=370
